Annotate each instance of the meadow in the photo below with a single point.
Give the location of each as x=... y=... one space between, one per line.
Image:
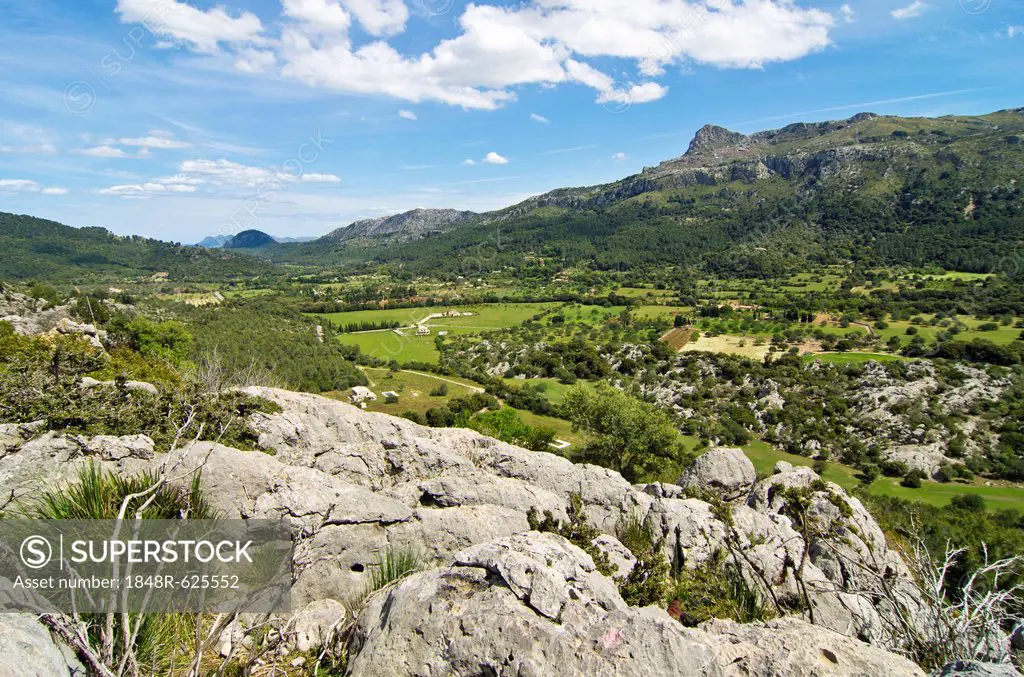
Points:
x=998 y=496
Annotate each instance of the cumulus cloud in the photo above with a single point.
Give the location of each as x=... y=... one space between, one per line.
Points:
x=539 y=118
x=619 y=157
x=914 y=9
x=318 y=15
x=468 y=162
x=204 y=30
x=55 y=190
x=1014 y=31
x=407 y=114
x=847 y=13
x=493 y=158
x=379 y=17
x=499 y=48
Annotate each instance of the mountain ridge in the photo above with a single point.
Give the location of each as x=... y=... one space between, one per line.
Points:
x=406 y=225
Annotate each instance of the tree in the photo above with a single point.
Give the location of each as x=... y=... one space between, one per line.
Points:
x=633 y=437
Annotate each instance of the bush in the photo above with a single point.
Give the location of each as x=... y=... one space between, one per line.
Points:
x=440 y=391
x=715 y=590
x=98 y=495
x=968 y=503
x=913 y=479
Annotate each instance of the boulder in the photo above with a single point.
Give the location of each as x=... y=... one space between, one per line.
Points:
x=725 y=471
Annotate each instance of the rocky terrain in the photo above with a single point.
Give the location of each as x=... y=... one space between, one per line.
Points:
x=494 y=597
x=921 y=415
x=409 y=225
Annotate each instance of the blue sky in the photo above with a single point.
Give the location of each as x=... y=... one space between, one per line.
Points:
x=180 y=120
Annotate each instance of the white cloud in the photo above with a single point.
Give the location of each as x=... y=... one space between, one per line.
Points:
x=146 y=189
x=19 y=185
x=318 y=15
x=105 y=152
x=539 y=118
x=468 y=162
x=158 y=141
x=255 y=60
x=225 y=172
x=497 y=48
x=847 y=13
x=379 y=17
x=320 y=178
x=212 y=175
x=914 y=9
x=1014 y=31
x=619 y=157
x=407 y=114
x=23 y=139
x=179 y=21
x=28 y=186
x=493 y=158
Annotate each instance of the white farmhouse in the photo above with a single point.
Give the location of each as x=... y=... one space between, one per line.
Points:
x=362 y=394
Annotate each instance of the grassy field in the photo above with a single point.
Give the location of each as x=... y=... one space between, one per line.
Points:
x=589 y=315
x=553 y=391
x=653 y=312
x=413 y=391
x=1000 y=336
x=387 y=345
x=998 y=497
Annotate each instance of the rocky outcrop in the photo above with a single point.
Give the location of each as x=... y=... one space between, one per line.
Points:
x=725 y=471
x=27 y=650
x=533 y=604
x=356 y=485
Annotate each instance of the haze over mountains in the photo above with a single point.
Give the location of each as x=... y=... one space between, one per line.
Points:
x=881 y=188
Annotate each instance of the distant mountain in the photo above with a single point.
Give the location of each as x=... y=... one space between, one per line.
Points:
x=41 y=249
x=250 y=239
x=214 y=241
x=218 y=241
x=407 y=226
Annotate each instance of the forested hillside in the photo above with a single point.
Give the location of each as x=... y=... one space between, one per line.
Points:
x=38 y=248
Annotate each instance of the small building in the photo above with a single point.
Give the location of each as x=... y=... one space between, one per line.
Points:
x=362 y=394
x=442 y=333
x=390 y=396
x=422 y=330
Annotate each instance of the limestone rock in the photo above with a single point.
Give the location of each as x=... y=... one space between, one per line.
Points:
x=533 y=605
x=725 y=471
x=28 y=650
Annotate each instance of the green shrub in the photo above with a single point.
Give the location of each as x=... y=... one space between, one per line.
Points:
x=715 y=590
x=647 y=583
x=98 y=495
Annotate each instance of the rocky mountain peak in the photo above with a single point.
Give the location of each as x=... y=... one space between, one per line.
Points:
x=713 y=137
